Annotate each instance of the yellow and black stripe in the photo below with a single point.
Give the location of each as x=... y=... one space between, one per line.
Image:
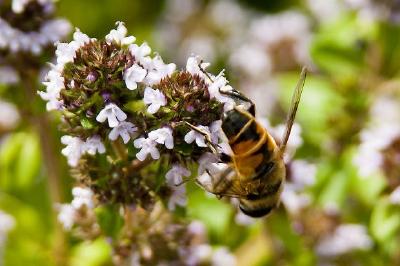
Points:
x=253 y=157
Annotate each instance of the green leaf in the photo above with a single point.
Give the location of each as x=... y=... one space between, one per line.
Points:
x=385 y=220
x=87 y=123
x=109 y=219
x=28 y=161
x=96 y=253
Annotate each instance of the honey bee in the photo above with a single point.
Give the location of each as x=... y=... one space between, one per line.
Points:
x=255 y=171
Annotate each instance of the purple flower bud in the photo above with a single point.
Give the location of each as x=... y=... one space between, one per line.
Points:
x=190 y=108
x=92 y=76
x=106 y=96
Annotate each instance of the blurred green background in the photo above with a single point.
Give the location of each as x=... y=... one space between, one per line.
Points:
x=354 y=59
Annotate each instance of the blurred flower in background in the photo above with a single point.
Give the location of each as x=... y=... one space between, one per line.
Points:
x=116 y=115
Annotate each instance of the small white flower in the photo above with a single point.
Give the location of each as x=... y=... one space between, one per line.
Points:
x=175 y=174
x=218 y=85
x=74 y=150
x=293 y=200
x=7 y=223
x=133 y=75
x=197 y=228
x=346 y=238
x=66 y=216
x=155 y=99
x=82 y=196
x=124 y=129
x=54 y=84
x=80 y=39
x=178 y=197
x=67 y=212
x=112 y=113
x=194 y=135
x=158 y=70
x=222 y=257
x=93 y=145
x=9 y=115
x=148 y=146
x=303 y=173
x=199 y=254
x=205 y=161
x=243 y=219
x=294 y=142
x=193 y=66
x=66 y=52
x=215 y=131
x=163 y=136
x=394 y=197
x=119 y=35
x=8 y=75
x=141 y=54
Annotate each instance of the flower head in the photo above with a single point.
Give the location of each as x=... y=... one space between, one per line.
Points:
x=155 y=99
x=133 y=75
x=194 y=135
x=119 y=35
x=141 y=54
x=82 y=196
x=112 y=113
x=163 y=136
x=158 y=70
x=178 y=197
x=74 y=150
x=124 y=129
x=147 y=146
x=94 y=145
x=175 y=174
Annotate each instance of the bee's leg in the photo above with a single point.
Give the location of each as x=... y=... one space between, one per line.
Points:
x=236 y=94
x=207 y=136
x=225 y=158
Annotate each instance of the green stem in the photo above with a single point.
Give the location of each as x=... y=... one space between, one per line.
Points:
x=41 y=123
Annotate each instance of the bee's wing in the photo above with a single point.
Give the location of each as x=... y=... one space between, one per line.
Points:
x=225 y=184
x=293 y=108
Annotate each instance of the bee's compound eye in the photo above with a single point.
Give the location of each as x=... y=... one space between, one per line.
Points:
x=256 y=213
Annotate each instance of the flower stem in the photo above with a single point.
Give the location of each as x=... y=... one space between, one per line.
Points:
x=41 y=123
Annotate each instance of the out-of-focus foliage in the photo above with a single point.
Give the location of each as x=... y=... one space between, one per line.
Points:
x=354 y=59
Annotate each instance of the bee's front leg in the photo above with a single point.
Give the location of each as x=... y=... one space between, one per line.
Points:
x=210 y=144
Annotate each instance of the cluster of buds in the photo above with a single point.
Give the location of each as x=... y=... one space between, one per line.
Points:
x=124 y=110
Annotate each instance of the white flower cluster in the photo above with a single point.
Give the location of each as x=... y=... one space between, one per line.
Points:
x=65 y=53
x=76 y=147
x=216 y=84
x=67 y=212
x=383 y=129
x=164 y=136
x=346 y=238
x=17 y=40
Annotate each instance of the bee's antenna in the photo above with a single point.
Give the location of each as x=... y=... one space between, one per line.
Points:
x=293 y=108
